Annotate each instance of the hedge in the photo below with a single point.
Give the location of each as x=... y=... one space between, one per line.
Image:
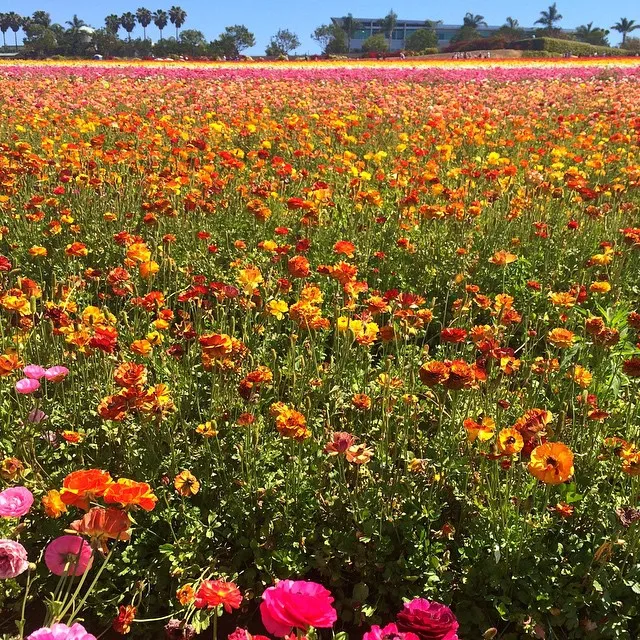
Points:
x=555 y=45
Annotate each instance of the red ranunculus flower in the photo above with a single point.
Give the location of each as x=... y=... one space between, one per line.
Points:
x=428 y=620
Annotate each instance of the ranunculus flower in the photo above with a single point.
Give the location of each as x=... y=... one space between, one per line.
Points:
x=34 y=371
x=428 y=620
x=27 y=386
x=243 y=634
x=390 y=632
x=296 y=604
x=62 y=632
x=36 y=416
x=15 y=502
x=13 y=559
x=56 y=374
x=70 y=552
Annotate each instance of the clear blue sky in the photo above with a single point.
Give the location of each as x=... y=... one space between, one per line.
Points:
x=264 y=18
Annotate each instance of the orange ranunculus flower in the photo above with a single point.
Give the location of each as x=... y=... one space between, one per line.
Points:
x=9 y=362
x=185 y=594
x=100 y=524
x=53 y=505
x=298 y=267
x=212 y=593
x=77 y=250
x=561 y=338
x=80 y=487
x=126 y=615
x=345 y=247
x=129 y=493
x=216 y=345
x=581 y=376
x=551 y=463
x=433 y=373
x=130 y=374
x=631 y=367
x=482 y=430
x=139 y=252
x=631 y=463
x=510 y=441
x=292 y=424
x=502 y=258
x=249 y=279
x=141 y=347
x=11 y=468
x=186 y=484
x=361 y=401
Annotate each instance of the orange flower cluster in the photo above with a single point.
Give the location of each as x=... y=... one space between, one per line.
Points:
x=289 y=422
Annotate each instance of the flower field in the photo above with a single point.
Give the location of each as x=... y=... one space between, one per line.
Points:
x=337 y=346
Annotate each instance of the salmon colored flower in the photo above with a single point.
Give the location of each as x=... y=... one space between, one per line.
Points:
x=126 y=615
x=482 y=430
x=100 y=525
x=502 y=258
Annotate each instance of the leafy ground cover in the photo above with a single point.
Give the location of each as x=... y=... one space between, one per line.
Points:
x=374 y=327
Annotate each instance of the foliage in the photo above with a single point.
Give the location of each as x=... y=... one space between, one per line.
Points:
x=282 y=43
x=558 y=46
x=421 y=40
x=376 y=43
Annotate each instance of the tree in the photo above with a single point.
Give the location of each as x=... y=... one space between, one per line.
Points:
x=178 y=16
x=74 y=35
x=592 y=35
x=625 y=26
x=144 y=18
x=471 y=20
x=41 y=18
x=350 y=25
x=232 y=41
x=331 y=38
x=112 y=24
x=41 y=40
x=422 y=39
x=375 y=44
x=193 y=42
x=128 y=22
x=388 y=24
x=549 y=18
x=631 y=44
x=511 y=29
x=105 y=41
x=282 y=43
x=5 y=23
x=15 y=22
x=160 y=19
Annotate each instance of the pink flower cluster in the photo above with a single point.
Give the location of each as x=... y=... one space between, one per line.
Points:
x=13 y=559
x=34 y=373
x=62 y=632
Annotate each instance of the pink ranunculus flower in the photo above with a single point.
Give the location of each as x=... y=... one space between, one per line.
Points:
x=296 y=604
x=34 y=371
x=390 y=632
x=27 y=386
x=243 y=634
x=428 y=620
x=13 y=559
x=36 y=416
x=60 y=631
x=15 y=502
x=69 y=552
x=56 y=374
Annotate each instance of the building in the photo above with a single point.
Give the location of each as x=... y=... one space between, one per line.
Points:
x=404 y=28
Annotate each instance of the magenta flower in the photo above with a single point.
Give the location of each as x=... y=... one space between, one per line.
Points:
x=56 y=374
x=62 y=632
x=15 y=502
x=298 y=604
x=27 y=386
x=68 y=552
x=428 y=620
x=34 y=371
x=13 y=559
x=390 y=632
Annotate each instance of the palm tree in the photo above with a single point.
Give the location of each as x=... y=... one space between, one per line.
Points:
x=112 y=23
x=474 y=21
x=5 y=24
x=15 y=22
x=549 y=18
x=177 y=17
x=625 y=26
x=350 y=25
x=144 y=17
x=511 y=23
x=42 y=18
x=128 y=22
x=389 y=24
x=160 y=19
